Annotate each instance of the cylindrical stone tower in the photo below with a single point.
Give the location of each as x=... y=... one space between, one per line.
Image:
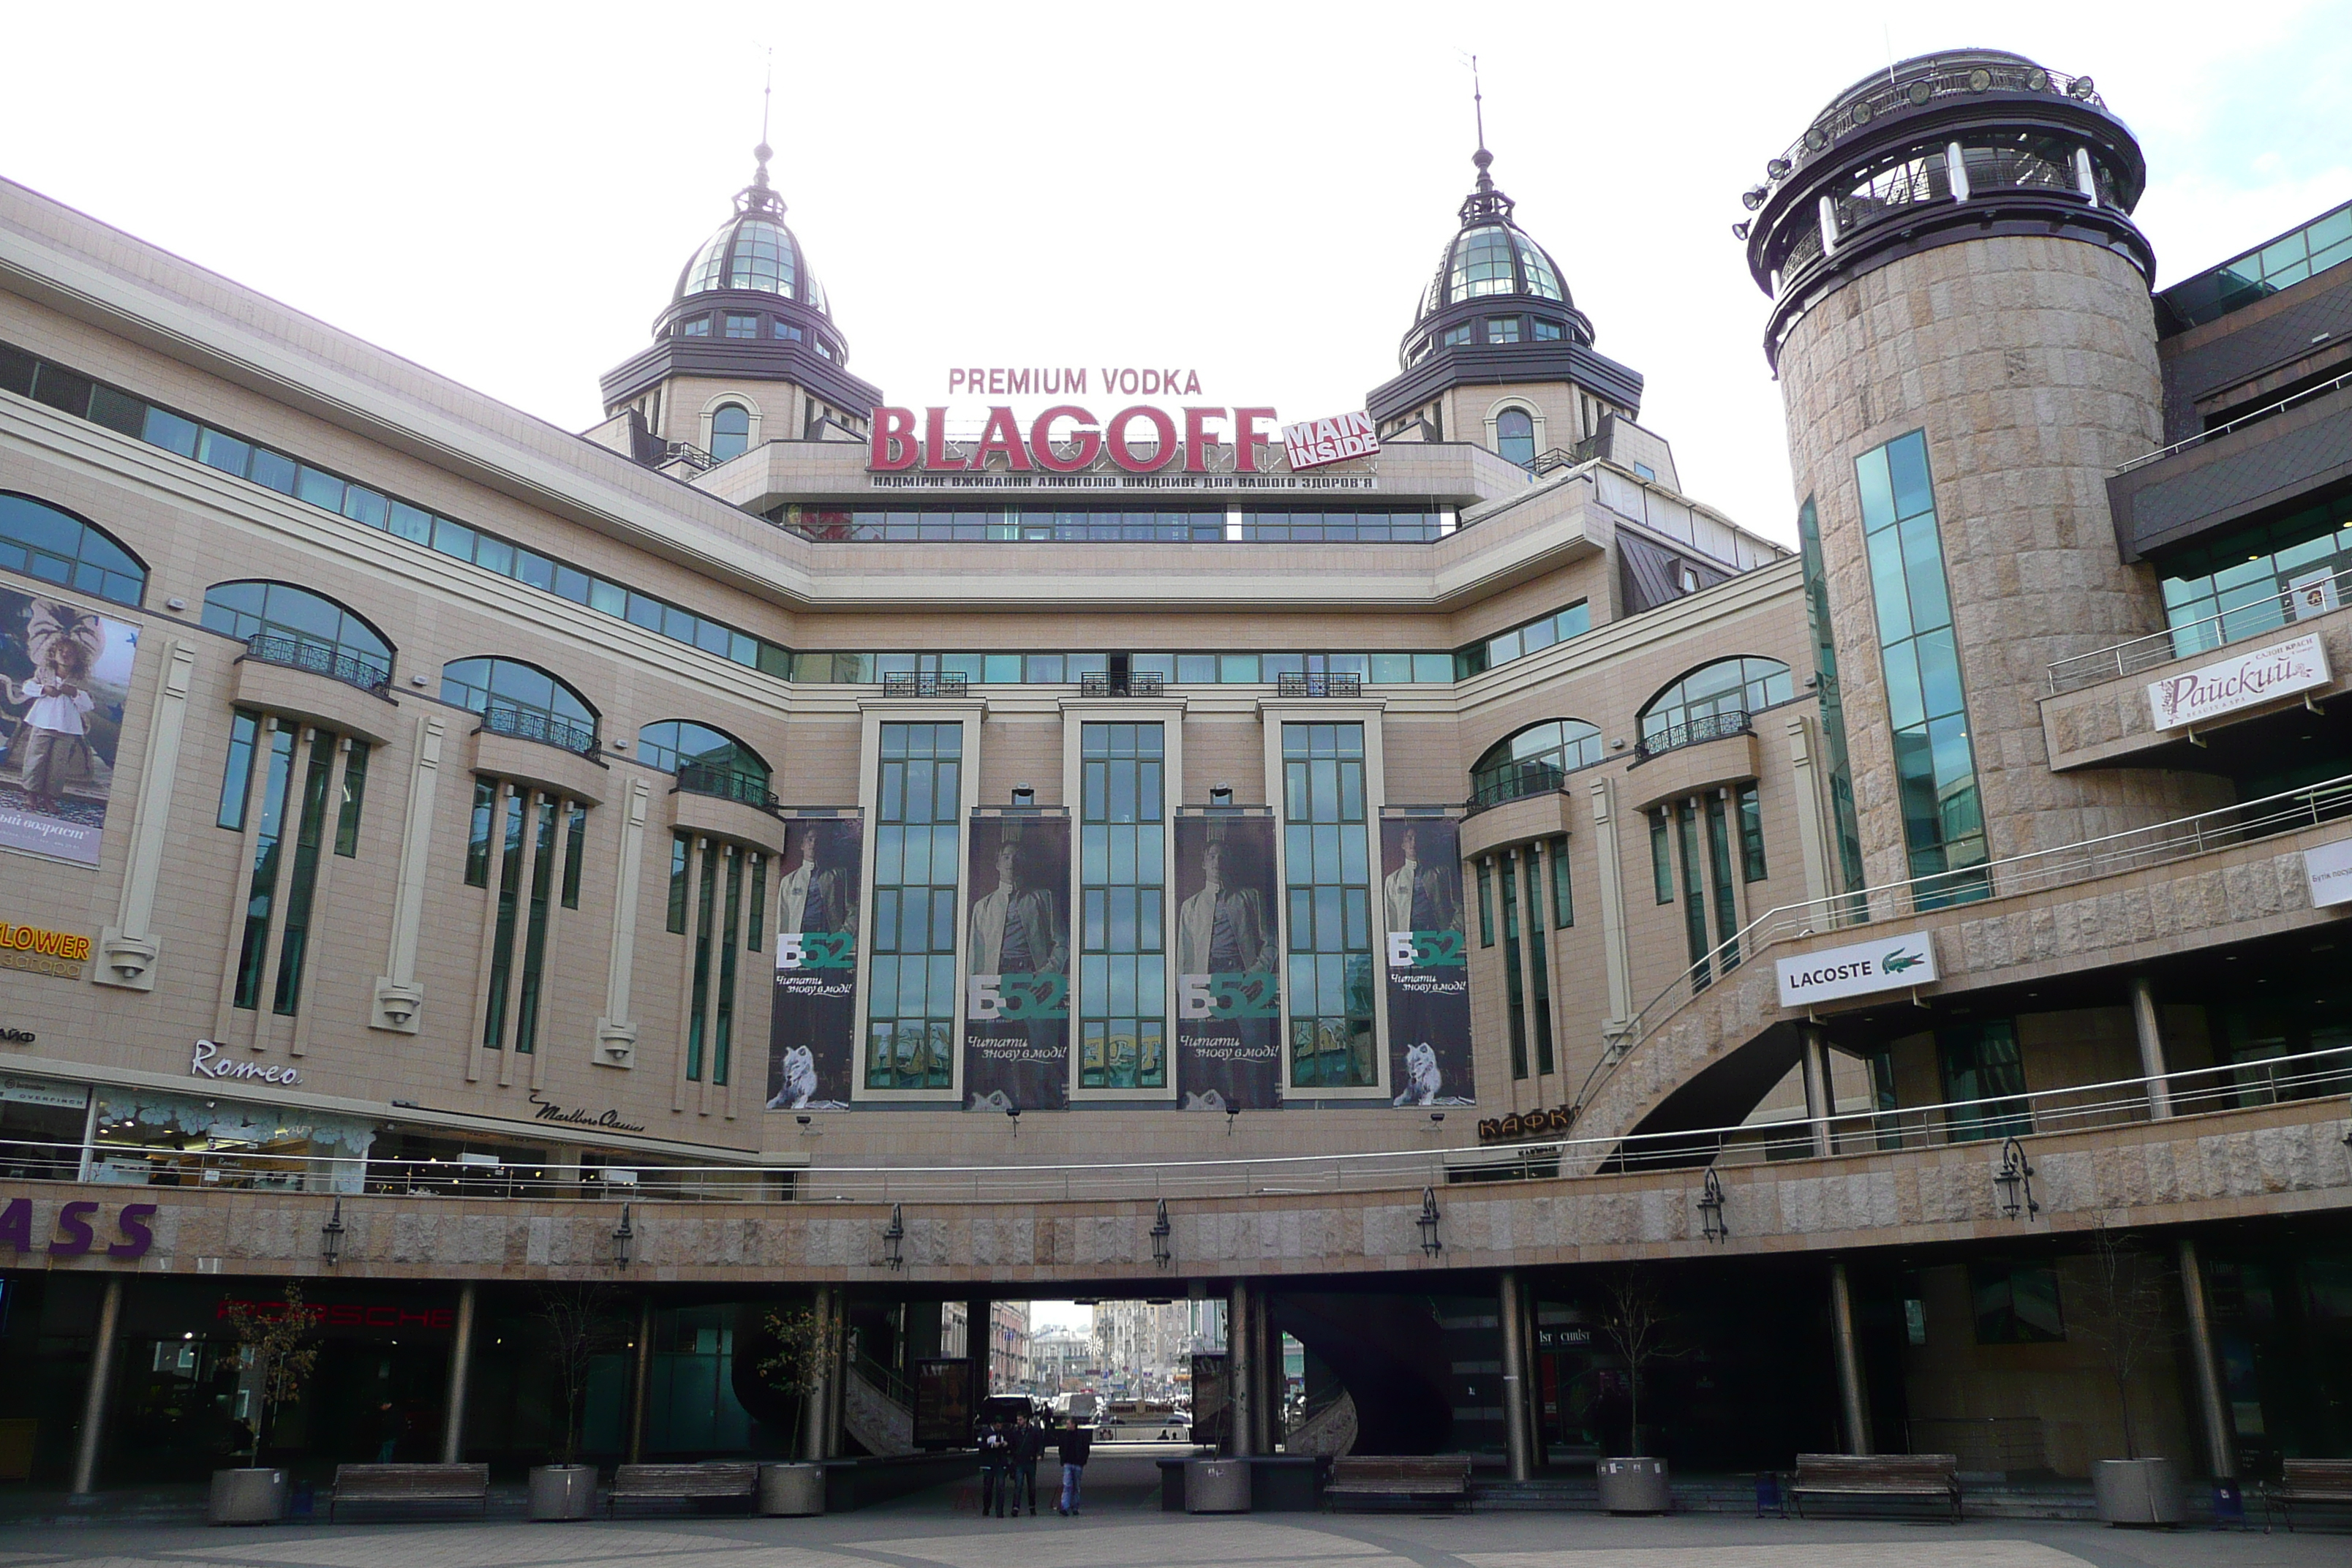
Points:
x=1967 y=349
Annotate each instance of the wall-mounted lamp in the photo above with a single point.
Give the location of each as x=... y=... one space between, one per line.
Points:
x=1221 y=795
x=1710 y=1207
x=1232 y=1119
x=1013 y=1114
x=1428 y=1222
x=623 y=1235
x=894 y=1237
x=330 y=1235
x=1161 y=1231
x=1025 y=794
x=2015 y=1182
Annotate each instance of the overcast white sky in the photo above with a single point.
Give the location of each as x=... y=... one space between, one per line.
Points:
x=506 y=192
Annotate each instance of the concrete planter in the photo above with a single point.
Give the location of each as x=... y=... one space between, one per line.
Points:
x=2138 y=1492
x=792 y=1490
x=1632 y=1486
x=247 y=1497
x=1217 y=1486
x=562 y=1491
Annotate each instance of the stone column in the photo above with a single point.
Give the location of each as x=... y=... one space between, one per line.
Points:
x=93 y=1436
x=505 y=800
x=1814 y=825
x=1240 y=1392
x=2221 y=1432
x=1853 y=1405
x=128 y=948
x=322 y=883
x=398 y=996
x=837 y=1374
x=820 y=1405
x=1819 y=1104
x=617 y=1032
x=2150 y=1026
x=1616 y=955
x=641 y=1378
x=976 y=1346
x=561 y=847
x=1518 y=1446
x=1272 y=1382
x=461 y=1369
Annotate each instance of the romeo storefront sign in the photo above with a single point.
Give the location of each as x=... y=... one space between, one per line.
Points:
x=2266 y=674
x=1882 y=963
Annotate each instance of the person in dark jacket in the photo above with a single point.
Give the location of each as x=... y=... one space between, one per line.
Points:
x=1077 y=1443
x=1028 y=1443
x=994 y=1484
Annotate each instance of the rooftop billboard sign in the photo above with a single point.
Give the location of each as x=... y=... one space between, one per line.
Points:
x=1141 y=446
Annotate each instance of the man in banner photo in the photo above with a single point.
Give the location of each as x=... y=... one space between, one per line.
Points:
x=1428 y=968
x=812 y=1029
x=1018 y=1011
x=65 y=673
x=1228 y=996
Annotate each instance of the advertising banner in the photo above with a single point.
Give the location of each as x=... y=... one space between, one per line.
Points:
x=1212 y=1407
x=1016 y=1000
x=1429 y=968
x=1228 y=964
x=64 y=674
x=813 y=1030
x=2328 y=868
x=2248 y=681
x=1859 y=969
x=943 y=1402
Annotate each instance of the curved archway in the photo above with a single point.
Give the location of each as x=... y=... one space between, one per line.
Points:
x=705 y=759
x=1534 y=760
x=54 y=545
x=1713 y=699
x=521 y=698
x=299 y=626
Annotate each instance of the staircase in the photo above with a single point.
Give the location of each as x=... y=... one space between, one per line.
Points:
x=878 y=1409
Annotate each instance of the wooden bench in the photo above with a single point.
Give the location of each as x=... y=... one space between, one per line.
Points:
x=2327 y=1482
x=1933 y=1476
x=1370 y=1475
x=684 y=1483
x=410 y=1483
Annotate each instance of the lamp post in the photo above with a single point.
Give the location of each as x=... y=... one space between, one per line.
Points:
x=1710 y=1207
x=1428 y=1222
x=331 y=1236
x=894 y=1237
x=2015 y=1182
x=1161 y=1231
x=623 y=1235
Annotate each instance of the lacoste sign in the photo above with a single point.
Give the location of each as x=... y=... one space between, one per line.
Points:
x=1897 y=962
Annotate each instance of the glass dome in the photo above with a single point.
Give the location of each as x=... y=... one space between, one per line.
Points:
x=754 y=250
x=1491 y=258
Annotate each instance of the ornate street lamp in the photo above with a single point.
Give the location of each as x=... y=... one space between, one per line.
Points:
x=1710 y=1207
x=1161 y=1231
x=1428 y=1222
x=895 y=1237
x=623 y=1235
x=2015 y=1182
x=330 y=1235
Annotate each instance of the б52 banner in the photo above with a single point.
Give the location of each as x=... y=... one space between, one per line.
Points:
x=813 y=1031
x=1016 y=1004
x=1429 y=970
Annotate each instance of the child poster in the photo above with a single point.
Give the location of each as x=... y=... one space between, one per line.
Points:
x=64 y=674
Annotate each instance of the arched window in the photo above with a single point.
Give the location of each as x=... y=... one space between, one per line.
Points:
x=706 y=761
x=281 y=623
x=730 y=431
x=521 y=699
x=1533 y=761
x=40 y=541
x=1711 y=700
x=1515 y=437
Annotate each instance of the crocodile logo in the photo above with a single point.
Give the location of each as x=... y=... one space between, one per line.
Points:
x=1897 y=962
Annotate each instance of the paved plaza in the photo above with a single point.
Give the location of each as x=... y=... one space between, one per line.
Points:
x=1123 y=1528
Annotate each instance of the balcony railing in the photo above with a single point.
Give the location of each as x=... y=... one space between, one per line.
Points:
x=294 y=653
x=543 y=728
x=1516 y=782
x=926 y=684
x=726 y=784
x=1332 y=685
x=2314 y=1076
x=2068 y=865
x=2264 y=412
x=1698 y=731
x=1134 y=683
x=2259 y=617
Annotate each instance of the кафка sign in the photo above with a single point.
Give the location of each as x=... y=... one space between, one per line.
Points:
x=1896 y=962
x=2266 y=674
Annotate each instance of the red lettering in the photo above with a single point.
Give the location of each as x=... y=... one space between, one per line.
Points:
x=1247 y=440
x=1088 y=441
x=955 y=380
x=935 y=441
x=1195 y=437
x=383 y=1317
x=893 y=447
x=1004 y=436
x=1115 y=437
x=344 y=1315
x=441 y=1317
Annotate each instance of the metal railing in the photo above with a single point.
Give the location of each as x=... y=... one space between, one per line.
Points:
x=1887 y=98
x=543 y=728
x=2135 y=849
x=1698 y=731
x=1134 y=683
x=2237 y=623
x=2264 y=412
x=1516 y=781
x=2242 y=1086
x=726 y=784
x=941 y=685
x=294 y=653
x=1335 y=684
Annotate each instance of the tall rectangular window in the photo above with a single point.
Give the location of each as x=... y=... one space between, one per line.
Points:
x=698 y=1013
x=1515 y=1004
x=1327 y=855
x=1934 y=761
x=681 y=860
x=1563 y=901
x=237 y=780
x=507 y=835
x=1686 y=831
x=1832 y=707
x=1984 y=1081
x=302 y=874
x=577 y=831
x=755 y=925
x=1122 y=860
x=1718 y=861
x=1662 y=856
x=1538 y=962
x=1751 y=835
x=253 y=954
x=1485 y=903
x=722 y=1041
x=917 y=867
x=478 y=834
x=534 y=942
x=347 y=813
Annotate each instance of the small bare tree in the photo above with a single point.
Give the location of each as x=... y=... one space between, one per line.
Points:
x=581 y=1326
x=802 y=1339
x=1633 y=1322
x=2127 y=1293
x=279 y=1350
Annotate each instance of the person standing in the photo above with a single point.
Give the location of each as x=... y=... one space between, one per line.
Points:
x=993 y=1482
x=388 y=1427
x=1028 y=1445
x=1077 y=1443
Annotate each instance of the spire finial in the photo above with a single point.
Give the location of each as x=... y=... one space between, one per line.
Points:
x=763 y=153
x=1485 y=202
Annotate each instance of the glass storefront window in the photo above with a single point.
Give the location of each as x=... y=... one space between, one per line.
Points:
x=181 y=1140
x=2258 y=580
x=1327 y=855
x=910 y=1025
